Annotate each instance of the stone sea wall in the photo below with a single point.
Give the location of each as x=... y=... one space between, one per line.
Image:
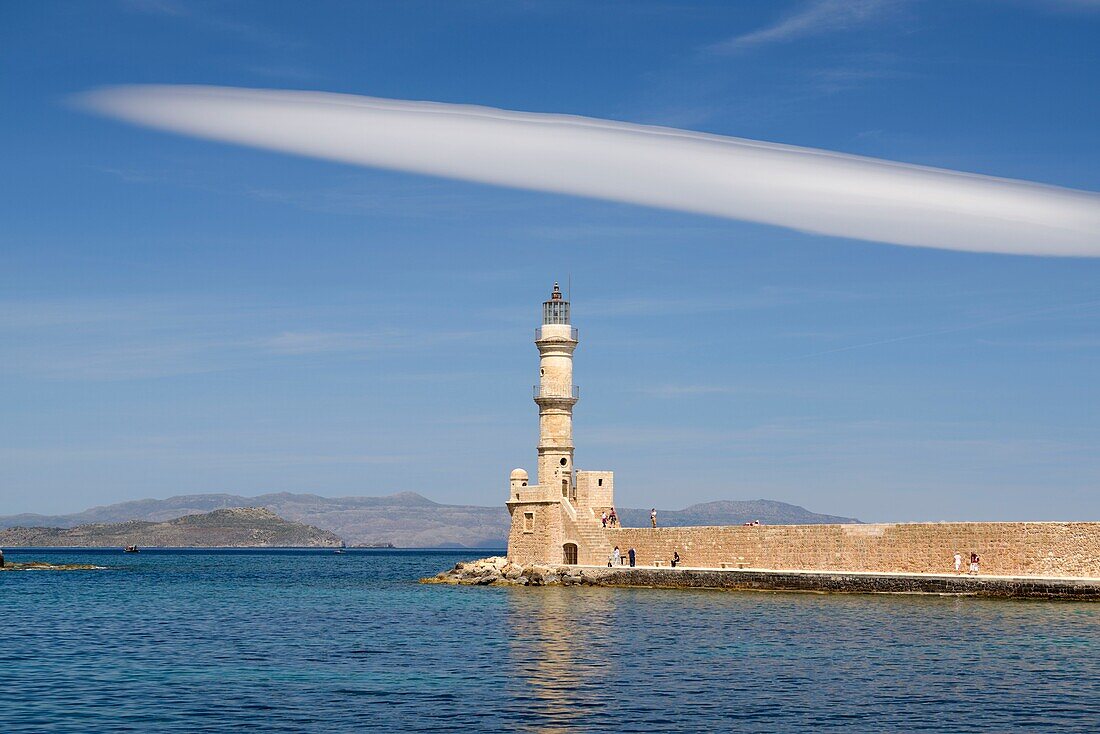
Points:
x=500 y=572
x=1047 y=549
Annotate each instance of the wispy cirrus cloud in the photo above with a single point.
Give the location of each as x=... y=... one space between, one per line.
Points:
x=138 y=451
x=682 y=391
x=852 y=75
x=156 y=7
x=201 y=16
x=143 y=338
x=1041 y=313
x=815 y=191
x=363 y=342
x=763 y=297
x=815 y=18
x=1054 y=343
x=1087 y=6
x=320 y=342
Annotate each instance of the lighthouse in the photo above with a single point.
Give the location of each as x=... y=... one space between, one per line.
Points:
x=556 y=519
x=556 y=394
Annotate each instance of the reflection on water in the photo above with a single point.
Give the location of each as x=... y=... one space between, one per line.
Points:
x=301 y=642
x=558 y=650
x=644 y=660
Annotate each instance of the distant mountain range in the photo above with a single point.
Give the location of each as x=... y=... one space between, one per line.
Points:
x=407 y=519
x=241 y=527
x=732 y=512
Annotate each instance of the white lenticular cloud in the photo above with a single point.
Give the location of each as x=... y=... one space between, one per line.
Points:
x=805 y=189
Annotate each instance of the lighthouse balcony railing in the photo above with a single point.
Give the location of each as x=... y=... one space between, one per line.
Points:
x=556 y=391
x=572 y=332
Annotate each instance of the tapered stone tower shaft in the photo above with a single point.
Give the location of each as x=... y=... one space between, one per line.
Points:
x=556 y=395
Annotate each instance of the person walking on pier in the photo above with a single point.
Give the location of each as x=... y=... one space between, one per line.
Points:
x=958 y=562
x=975 y=563
x=617 y=556
x=653 y=516
x=603 y=519
x=631 y=554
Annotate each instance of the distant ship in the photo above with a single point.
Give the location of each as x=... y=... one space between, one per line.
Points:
x=131 y=549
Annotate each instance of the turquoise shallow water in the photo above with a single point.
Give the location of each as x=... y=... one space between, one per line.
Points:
x=311 y=641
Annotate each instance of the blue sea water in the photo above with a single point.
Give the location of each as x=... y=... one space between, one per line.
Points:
x=304 y=641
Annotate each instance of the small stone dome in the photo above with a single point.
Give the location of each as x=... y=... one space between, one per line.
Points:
x=519 y=474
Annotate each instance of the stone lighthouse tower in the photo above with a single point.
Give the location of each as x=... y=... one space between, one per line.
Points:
x=556 y=395
x=557 y=519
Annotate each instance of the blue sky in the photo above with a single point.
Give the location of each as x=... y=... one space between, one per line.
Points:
x=181 y=316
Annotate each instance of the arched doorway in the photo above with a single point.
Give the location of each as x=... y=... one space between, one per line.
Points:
x=569 y=551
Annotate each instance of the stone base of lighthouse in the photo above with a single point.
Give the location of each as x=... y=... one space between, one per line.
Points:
x=550 y=528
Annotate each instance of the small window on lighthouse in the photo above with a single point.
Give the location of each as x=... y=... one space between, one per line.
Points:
x=599 y=482
x=528 y=522
x=541 y=372
x=564 y=461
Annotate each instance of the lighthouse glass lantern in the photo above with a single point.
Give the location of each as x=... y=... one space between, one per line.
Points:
x=556 y=310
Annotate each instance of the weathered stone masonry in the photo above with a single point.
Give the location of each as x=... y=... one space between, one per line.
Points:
x=1006 y=548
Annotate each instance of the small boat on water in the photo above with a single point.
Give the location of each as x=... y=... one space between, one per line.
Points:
x=131 y=549
x=341 y=550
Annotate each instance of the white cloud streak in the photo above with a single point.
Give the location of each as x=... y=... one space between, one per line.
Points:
x=810 y=190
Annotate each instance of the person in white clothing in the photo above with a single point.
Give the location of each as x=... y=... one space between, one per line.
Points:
x=958 y=562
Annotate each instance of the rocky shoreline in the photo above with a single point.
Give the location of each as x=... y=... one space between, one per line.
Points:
x=43 y=566
x=497 y=571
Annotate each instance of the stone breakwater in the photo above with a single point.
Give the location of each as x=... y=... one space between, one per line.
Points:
x=497 y=571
